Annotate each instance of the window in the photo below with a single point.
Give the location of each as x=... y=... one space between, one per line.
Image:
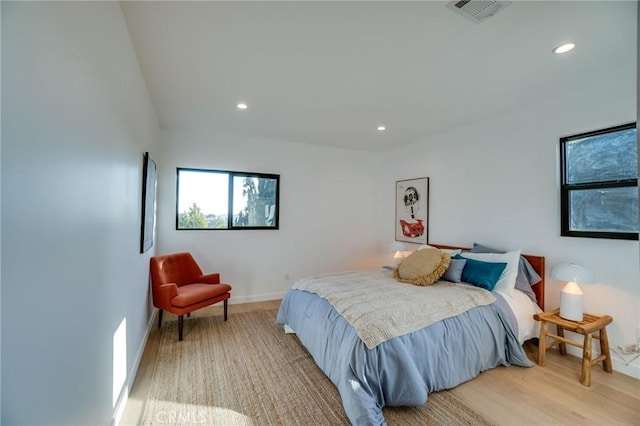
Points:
x=217 y=199
x=599 y=183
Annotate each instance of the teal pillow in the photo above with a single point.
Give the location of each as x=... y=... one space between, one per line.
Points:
x=482 y=274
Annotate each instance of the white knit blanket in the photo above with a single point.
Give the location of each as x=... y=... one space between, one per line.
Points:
x=381 y=308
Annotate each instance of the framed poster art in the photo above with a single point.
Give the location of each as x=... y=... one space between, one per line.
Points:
x=149 y=178
x=412 y=210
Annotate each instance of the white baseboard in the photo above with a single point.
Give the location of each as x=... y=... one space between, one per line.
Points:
x=629 y=370
x=256 y=298
x=632 y=369
x=621 y=363
x=118 y=410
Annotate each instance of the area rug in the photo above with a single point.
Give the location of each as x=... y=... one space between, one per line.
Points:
x=247 y=371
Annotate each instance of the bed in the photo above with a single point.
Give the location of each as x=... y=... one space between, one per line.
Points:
x=366 y=331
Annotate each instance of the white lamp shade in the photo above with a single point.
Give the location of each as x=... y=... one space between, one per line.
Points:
x=572 y=272
x=572 y=302
x=571 y=297
x=398 y=248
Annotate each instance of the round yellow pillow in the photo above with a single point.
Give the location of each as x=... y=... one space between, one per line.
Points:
x=422 y=267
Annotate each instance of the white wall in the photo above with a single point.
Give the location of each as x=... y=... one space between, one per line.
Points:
x=0 y=244
x=497 y=182
x=327 y=211
x=76 y=119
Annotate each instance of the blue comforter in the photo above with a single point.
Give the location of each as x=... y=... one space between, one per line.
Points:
x=404 y=370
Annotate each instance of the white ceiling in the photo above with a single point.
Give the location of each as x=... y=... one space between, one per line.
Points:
x=329 y=73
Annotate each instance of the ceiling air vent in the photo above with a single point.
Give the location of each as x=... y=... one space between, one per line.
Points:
x=477 y=10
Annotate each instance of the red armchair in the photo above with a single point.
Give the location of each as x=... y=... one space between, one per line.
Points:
x=178 y=286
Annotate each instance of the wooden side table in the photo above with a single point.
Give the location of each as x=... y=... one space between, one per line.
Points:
x=588 y=327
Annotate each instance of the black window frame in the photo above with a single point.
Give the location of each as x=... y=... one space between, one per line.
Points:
x=566 y=189
x=231 y=175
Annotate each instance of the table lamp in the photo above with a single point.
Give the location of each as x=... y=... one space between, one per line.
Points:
x=571 y=297
x=397 y=247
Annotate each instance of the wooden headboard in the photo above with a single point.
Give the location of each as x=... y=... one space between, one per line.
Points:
x=536 y=261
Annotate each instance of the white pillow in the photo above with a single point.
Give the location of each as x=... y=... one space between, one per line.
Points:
x=507 y=281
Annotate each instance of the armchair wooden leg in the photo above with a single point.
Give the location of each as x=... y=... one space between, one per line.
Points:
x=160 y=318
x=180 y=324
x=226 y=303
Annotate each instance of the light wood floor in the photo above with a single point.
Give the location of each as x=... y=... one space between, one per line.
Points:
x=549 y=395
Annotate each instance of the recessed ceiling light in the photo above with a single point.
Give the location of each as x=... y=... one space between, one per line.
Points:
x=242 y=106
x=381 y=128
x=564 y=48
